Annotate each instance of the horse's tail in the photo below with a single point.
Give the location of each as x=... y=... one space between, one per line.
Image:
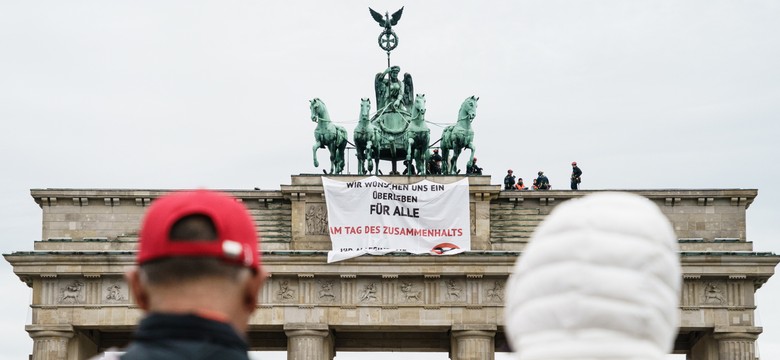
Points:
x=446 y=138
x=341 y=137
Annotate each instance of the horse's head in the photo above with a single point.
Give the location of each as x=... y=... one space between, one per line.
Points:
x=365 y=108
x=318 y=110
x=468 y=110
x=418 y=110
x=419 y=103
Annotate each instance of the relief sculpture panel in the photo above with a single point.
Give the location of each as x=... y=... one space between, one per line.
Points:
x=495 y=294
x=316 y=219
x=714 y=294
x=368 y=293
x=327 y=292
x=71 y=292
x=410 y=292
x=454 y=291
x=114 y=292
x=285 y=291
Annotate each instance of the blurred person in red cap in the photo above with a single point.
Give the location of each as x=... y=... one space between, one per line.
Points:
x=197 y=278
x=575 y=175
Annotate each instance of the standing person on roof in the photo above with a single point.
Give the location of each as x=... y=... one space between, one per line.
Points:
x=542 y=182
x=197 y=279
x=435 y=162
x=575 y=176
x=509 y=180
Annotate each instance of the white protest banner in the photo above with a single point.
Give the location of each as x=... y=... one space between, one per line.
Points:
x=372 y=216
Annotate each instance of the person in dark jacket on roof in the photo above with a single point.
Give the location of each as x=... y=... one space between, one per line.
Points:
x=576 y=173
x=509 y=180
x=197 y=279
x=542 y=181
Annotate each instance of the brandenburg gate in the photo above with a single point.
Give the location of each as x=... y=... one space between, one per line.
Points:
x=395 y=302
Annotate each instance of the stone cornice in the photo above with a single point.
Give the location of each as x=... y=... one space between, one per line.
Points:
x=313 y=184
x=736 y=196
x=53 y=196
x=742 y=265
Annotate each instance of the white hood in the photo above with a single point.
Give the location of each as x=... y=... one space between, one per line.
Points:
x=599 y=280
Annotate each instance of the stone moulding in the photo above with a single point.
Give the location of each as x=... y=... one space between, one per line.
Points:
x=305 y=279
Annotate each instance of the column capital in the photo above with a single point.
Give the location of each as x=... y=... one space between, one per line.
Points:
x=742 y=332
x=479 y=330
x=57 y=330
x=473 y=341
x=474 y=327
x=735 y=336
x=50 y=342
x=309 y=341
x=315 y=328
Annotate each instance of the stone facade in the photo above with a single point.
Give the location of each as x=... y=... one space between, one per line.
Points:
x=313 y=309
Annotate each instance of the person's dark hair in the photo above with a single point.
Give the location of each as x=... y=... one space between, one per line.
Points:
x=182 y=269
x=193 y=228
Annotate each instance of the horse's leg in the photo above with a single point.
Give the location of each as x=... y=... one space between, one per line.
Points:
x=361 y=157
x=409 y=145
x=332 y=150
x=368 y=152
x=422 y=150
x=394 y=170
x=342 y=145
x=454 y=164
x=425 y=157
x=341 y=159
x=376 y=154
x=314 y=148
x=445 y=153
x=473 y=150
x=409 y=157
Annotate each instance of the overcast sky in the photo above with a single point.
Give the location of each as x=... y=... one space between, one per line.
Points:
x=183 y=94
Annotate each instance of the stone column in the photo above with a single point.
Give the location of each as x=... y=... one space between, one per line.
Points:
x=308 y=341
x=473 y=342
x=50 y=342
x=736 y=345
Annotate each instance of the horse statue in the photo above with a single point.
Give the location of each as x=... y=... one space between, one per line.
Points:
x=418 y=135
x=458 y=137
x=327 y=135
x=366 y=137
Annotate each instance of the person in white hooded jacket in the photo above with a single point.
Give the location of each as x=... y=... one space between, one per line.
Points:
x=600 y=280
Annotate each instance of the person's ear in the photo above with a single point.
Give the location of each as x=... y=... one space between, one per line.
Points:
x=252 y=289
x=138 y=291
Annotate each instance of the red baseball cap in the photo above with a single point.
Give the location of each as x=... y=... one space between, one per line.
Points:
x=236 y=242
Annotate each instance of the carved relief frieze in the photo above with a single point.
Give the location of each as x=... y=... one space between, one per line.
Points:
x=285 y=291
x=368 y=293
x=326 y=292
x=388 y=291
x=495 y=293
x=713 y=294
x=114 y=292
x=71 y=292
x=316 y=219
x=454 y=291
x=410 y=292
